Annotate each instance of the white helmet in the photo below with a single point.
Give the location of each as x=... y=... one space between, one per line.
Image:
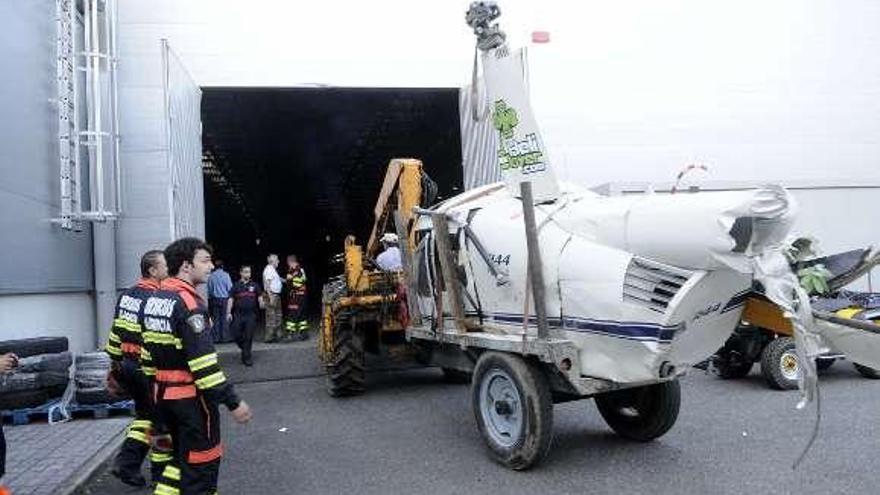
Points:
x=389 y=238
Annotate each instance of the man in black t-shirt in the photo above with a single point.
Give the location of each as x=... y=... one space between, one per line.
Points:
x=242 y=310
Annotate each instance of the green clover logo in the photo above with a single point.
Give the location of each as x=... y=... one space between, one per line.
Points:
x=505 y=119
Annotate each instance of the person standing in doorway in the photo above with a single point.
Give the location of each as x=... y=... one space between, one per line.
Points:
x=241 y=311
x=296 y=322
x=272 y=296
x=219 y=284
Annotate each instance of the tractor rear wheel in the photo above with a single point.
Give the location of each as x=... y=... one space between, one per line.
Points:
x=346 y=370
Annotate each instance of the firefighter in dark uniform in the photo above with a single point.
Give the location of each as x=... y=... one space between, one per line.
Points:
x=126 y=375
x=190 y=385
x=296 y=322
x=242 y=310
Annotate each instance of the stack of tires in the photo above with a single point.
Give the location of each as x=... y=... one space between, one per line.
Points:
x=42 y=373
x=90 y=378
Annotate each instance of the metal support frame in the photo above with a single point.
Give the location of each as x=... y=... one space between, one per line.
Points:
x=97 y=59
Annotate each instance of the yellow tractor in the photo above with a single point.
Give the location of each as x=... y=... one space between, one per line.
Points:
x=365 y=310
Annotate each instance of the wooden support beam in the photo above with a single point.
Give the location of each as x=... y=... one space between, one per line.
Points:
x=409 y=270
x=447 y=267
x=536 y=273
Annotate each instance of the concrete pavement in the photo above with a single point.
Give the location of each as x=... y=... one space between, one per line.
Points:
x=412 y=433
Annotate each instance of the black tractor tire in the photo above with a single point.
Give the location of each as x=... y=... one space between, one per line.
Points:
x=641 y=413
x=24 y=399
x=456 y=376
x=88 y=361
x=45 y=362
x=92 y=396
x=31 y=347
x=346 y=371
x=867 y=371
x=526 y=406
x=824 y=364
x=18 y=382
x=724 y=368
x=780 y=364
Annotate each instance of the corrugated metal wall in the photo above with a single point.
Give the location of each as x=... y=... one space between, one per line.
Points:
x=37 y=255
x=478 y=140
x=183 y=115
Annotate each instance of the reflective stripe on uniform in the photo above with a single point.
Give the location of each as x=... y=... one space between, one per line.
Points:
x=211 y=380
x=162 y=339
x=172 y=473
x=148 y=370
x=163 y=489
x=138 y=436
x=115 y=338
x=202 y=362
x=144 y=424
x=127 y=325
x=160 y=457
x=203 y=456
x=113 y=350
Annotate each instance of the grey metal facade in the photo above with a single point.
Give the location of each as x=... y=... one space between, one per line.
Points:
x=38 y=257
x=478 y=140
x=183 y=99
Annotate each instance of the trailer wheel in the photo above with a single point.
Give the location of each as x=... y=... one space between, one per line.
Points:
x=346 y=371
x=867 y=371
x=642 y=413
x=513 y=409
x=459 y=377
x=780 y=364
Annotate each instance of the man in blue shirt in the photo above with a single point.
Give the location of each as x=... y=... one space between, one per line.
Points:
x=219 y=284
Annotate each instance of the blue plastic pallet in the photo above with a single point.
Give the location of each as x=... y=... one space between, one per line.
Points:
x=98 y=411
x=29 y=414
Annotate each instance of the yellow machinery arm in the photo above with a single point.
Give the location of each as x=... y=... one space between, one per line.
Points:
x=401 y=190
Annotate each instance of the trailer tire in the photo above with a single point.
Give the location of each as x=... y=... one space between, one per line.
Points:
x=867 y=371
x=780 y=364
x=458 y=377
x=513 y=409
x=641 y=413
x=346 y=373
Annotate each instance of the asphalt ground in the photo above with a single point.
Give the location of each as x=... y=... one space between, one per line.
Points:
x=412 y=433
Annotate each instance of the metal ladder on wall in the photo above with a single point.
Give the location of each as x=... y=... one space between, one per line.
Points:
x=96 y=59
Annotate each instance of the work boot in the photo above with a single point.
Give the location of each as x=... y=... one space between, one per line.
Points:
x=131 y=479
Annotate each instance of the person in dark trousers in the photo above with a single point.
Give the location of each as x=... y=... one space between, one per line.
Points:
x=190 y=385
x=8 y=362
x=126 y=374
x=296 y=322
x=219 y=283
x=242 y=312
